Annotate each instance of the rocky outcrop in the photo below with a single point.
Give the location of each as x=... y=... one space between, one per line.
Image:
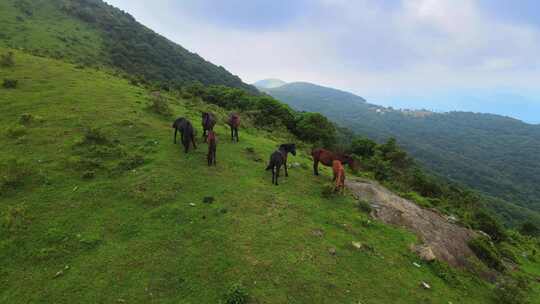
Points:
x=442 y=239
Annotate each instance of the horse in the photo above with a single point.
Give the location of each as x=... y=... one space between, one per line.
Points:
x=187 y=132
x=278 y=159
x=208 y=123
x=234 y=123
x=327 y=157
x=212 y=145
x=339 y=175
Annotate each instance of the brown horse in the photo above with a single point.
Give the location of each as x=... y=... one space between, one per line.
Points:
x=212 y=146
x=339 y=175
x=234 y=123
x=208 y=123
x=327 y=157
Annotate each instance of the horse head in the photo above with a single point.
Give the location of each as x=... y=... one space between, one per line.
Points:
x=290 y=148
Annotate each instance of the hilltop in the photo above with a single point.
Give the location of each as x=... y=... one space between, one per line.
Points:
x=269 y=84
x=494 y=154
x=93 y=33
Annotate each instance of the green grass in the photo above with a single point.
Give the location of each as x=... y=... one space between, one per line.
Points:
x=132 y=234
x=47 y=31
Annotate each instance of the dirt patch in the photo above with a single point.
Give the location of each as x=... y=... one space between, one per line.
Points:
x=448 y=241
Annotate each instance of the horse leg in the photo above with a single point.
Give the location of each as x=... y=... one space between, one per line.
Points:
x=232 y=133
x=193 y=141
x=175 y=131
x=286 y=170
x=277 y=174
x=316 y=167
x=236 y=134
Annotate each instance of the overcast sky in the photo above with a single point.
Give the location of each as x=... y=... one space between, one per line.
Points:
x=385 y=50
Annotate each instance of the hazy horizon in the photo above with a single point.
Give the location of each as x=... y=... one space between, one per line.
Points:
x=417 y=53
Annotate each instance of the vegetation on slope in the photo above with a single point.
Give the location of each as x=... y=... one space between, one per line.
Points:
x=94 y=33
x=493 y=154
x=98 y=205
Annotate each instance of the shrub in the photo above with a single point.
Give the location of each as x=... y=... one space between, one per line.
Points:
x=529 y=229
x=15 y=218
x=95 y=136
x=364 y=206
x=487 y=253
x=485 y=222
x=160 y=106
x=13 y=174
x=10 y=83
x=7 y=60
x=510 y=291
x=445 y=272
x=27 y=119
x=16 y=132
x=236 y=294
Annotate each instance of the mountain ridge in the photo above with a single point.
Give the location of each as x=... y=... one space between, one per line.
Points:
x=491 y=153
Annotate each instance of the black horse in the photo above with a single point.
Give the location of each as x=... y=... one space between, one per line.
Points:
x=278 y=159
x=208 y=123
x=187 y=132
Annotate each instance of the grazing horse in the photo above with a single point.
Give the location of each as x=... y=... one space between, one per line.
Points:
x=208 y=123
x=234 y=123
x=212 y=145
x=278 y=159
x=327 y=157
x=339 y=175
x=187 y=132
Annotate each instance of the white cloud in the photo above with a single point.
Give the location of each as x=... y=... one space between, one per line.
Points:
x=364 y=46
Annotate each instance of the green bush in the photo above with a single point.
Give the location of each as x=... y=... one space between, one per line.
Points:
x=16 y=132
x=10 y=83
x=7 y=60
x=364 y=206
x=27 y=119
x=445 y=273
x=487 y=253
x=160 y=106
x=13 y=174
x=236 y=294
x=529 y=229
x=488 y=224
x=95 y=136
x=510 y=291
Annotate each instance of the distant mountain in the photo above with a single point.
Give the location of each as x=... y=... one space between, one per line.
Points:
x=497 y=155
x=269 y=84
x=92 y=32
x=498 y=101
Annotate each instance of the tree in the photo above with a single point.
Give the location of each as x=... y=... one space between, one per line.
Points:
x=363 y=147
x=315 y=128
x=529 y=229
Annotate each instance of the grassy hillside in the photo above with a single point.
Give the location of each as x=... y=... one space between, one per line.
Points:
x=493 y=154
x=92 y=32
x=116 y=213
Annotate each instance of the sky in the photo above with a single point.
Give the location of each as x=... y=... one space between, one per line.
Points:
x=473 y=55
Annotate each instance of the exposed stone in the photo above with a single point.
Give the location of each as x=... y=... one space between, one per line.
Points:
x=425 y=253
x=447 y=242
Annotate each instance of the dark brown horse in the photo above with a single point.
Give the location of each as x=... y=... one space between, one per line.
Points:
x=327 y=157
x=234 y=123
x=208 y=123
x=278 y=159
x=212 y=146
x=187 y=132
